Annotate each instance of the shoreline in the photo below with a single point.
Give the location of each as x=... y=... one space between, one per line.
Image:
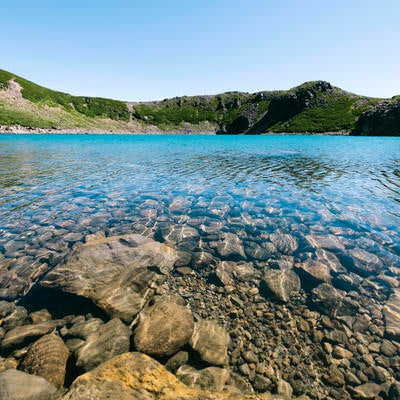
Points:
x=17 y=129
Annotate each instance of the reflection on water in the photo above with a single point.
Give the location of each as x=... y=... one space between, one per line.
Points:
x=57 y=189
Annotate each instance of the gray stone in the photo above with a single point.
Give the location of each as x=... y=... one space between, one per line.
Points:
x=163 y=329
x=116 y=273
x=17 y=385
x=313 y=272
x=17 y=317
x=110 y=340
x=281 y=285
x=364 y=262
x=211 y=342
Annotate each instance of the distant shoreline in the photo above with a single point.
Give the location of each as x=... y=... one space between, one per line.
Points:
x=16 y=130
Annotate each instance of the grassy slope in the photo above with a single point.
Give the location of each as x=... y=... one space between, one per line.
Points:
x=56 y=109
x=332 y=110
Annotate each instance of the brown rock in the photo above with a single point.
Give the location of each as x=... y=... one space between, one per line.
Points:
x=47 y=357
x=163 y=329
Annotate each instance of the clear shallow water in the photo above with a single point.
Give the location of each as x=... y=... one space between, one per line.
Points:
x=56 y=189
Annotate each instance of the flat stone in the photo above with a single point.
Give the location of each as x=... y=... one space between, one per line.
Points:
x=326 y=299
x=22 y=335
x=116 y=273
x=364 y=262
x=211 y=342
x=163 y=329
x=17 y=385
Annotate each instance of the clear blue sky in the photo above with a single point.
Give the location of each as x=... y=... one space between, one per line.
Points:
x=152 y=49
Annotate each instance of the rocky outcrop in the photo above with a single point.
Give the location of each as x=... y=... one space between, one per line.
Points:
x=382 y=120
x=163 y=329
x=117 y=273
x=17 y=385
x=47 y=357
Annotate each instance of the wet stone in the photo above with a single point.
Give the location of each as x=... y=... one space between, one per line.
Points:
x=285 y=243
x=280 y=285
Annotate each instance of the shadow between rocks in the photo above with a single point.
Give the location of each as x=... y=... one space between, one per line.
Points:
x=60 y=304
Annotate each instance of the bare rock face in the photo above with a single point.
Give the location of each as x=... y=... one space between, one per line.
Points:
x=163 y=329
x=391 y=312
x=133 y=376
x=117 y=273
x=110 y=340
x=281 y=284
x=47 y=357
x=211 y=342
x=17 y=385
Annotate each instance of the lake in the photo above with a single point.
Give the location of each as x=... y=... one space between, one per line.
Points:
x=327 y=208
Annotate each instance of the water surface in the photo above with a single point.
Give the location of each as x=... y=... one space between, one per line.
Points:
x=57 y=189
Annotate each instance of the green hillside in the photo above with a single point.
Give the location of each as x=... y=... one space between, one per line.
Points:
x=313 y=107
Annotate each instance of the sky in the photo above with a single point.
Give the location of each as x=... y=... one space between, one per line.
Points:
x=154 y=49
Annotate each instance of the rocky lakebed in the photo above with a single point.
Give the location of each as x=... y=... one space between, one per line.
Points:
x=130 y=317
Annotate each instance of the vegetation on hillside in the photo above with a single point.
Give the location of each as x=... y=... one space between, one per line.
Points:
x=312 y=107
x=89 y=106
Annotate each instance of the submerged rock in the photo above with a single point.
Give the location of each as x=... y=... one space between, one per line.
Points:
x=281 y=284
x=135 y=376
x=285 y=243
x=116 y=273
x=17 y=385
x=211 y=342
x=22 y=335
x=326 y=298
x=211 y=378
x=47 y=357
x=110 y=340
x=391 y=312
x=163 y=329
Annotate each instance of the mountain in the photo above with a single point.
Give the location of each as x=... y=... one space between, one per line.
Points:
x=313 y=107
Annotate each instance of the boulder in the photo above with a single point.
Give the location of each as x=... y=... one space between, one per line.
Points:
x=47 y=357
x=133 y=376
x=117 y=273
x=110 y=340
x=211 y=341
x=17 y=385
x=163 y=329
x=281 y=285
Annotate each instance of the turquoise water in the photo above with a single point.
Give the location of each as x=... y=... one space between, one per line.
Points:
x=55 y=189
